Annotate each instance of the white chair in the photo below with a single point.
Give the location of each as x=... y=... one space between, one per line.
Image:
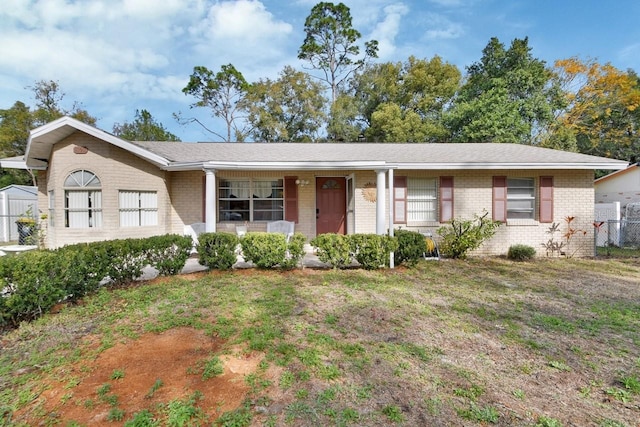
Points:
x=194 y=230
x=241 y=230
x=285 y=227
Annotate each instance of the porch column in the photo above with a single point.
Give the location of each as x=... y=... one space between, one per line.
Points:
x=391 y=214
x=380 y=187
x=210 y=201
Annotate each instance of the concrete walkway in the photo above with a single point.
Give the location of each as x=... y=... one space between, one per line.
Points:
x=192 y=265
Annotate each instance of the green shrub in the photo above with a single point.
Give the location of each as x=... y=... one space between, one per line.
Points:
x=168 y=253
x=295 y=251
x=411 y=247
x=521 y=252
x=217 y=250
x=33 y=282
x=264 y=250
x=333 y=249
x=127 y=258
x=83 y=267
x=30 y=285
x=462 y=236
x=372 y=250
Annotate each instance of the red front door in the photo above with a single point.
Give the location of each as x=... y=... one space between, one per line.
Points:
x=331 y=206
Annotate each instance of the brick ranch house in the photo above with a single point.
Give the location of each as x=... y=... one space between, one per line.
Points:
x=95 y=186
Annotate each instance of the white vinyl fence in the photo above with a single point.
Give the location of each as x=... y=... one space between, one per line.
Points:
x=12 y=207
x=609 y=233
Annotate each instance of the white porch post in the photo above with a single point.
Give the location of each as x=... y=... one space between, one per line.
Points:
x=380 y=187
x=391 y=214
x=210 y=201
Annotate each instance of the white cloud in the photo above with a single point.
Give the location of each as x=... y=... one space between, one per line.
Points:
x=243 y=33
x=386 y=30
x=453 y=3
x=243 y=21
x=440 y=27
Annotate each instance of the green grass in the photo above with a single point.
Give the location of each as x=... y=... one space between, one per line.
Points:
x=455 y=342
x=613 y=251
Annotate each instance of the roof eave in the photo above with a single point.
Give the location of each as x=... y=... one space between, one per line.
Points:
x=506 y=166
x=11 y=163
x=267 y=166
x=38 y=135
x=369 y=165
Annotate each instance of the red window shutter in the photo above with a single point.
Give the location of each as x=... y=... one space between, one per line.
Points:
x=546 y=199
x=291 y=199
x=446 y=198
x=399 y=199
x=499 y=205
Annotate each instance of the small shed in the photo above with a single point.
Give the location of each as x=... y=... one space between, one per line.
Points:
x=16 y=201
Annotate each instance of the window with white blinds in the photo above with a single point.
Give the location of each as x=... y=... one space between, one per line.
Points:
x=422 y=199
x=521 y=198
x=251 y=199
x=138 y=208
x=83 y=200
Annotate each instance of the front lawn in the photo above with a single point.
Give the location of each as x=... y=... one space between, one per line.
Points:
x=475 y=342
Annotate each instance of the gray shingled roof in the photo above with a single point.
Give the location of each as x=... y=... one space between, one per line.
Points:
x=296 y=156
x=469 y=155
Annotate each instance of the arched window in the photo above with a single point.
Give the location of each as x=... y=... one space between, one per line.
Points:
x=83 y=200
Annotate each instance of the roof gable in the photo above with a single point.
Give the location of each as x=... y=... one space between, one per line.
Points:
x=619 y=174
x=42 y=139
x=20 y=189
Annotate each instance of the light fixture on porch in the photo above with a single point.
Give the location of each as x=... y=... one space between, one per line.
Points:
x=302 y=182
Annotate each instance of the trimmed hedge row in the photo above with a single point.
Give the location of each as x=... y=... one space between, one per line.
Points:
x=33 y=282
x=271 y=250
x=264 y=250
x=371 y=251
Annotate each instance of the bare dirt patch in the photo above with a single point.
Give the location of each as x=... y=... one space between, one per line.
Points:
x=174 y=357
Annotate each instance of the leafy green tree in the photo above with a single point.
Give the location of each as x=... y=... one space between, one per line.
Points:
x=330 y=44
x=143 y=128
x=401 y=102
x=389 y=123
x=371 y=87
x=289 y=109
x=509 y=96
x=16 y=123
x=49 y=97
x=602 y=113
x=345 y=122
x=223 y=93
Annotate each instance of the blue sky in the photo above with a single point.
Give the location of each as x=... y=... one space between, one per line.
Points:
x=116 y=56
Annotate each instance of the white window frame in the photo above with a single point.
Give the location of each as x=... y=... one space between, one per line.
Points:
x=52 y=210
x=422 y=199
x=138 y=208
x=83 y=200
x=250 y=191
x=521 y=190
